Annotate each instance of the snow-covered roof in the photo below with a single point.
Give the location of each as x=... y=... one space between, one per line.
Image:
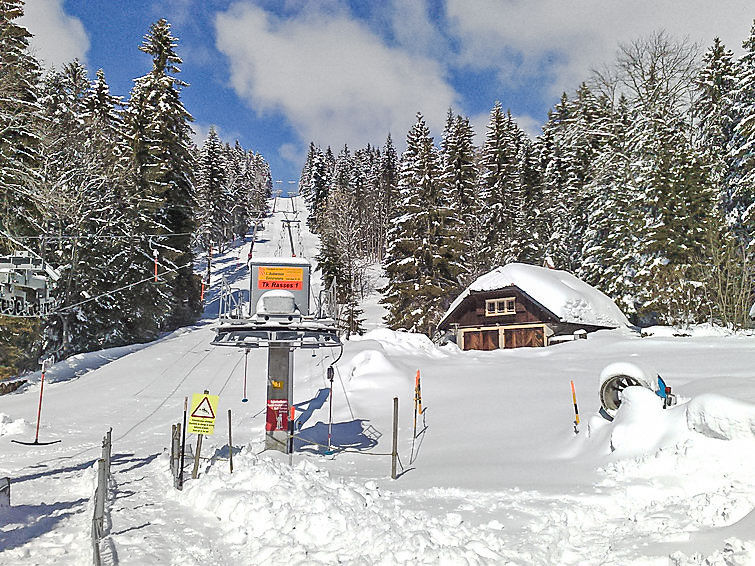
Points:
x=278 y=261
x=569 y=298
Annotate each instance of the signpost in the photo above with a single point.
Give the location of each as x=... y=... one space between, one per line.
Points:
x=204 y=408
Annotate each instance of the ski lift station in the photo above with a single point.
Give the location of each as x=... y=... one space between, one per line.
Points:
x=279 y=319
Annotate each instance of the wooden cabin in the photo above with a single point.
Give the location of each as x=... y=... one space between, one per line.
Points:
x=521 y=305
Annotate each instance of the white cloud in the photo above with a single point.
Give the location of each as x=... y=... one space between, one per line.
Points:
x=334 y=80
x=560 y=42
x=58 y=37
x=201 y=131
x=413 y=29
x=293 y=153
x=529 y=125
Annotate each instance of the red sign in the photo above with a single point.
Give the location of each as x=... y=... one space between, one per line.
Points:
x=277 y=415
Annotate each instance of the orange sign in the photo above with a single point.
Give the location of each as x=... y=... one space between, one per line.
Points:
x=287 y=278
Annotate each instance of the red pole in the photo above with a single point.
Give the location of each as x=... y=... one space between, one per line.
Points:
x=39 y=410
x=154 y=253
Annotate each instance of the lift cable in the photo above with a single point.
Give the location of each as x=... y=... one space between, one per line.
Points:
x=107 y=293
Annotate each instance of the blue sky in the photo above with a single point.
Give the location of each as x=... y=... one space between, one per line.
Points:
x=278 y=74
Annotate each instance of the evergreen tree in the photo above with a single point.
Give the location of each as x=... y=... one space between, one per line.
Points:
x=742 y=153
x=459 y=180
x=714 y=117
x=19 y=118
x=500 y=189
x=387 y=191
x=422 y=258
x=163 y=168
x=213 y=192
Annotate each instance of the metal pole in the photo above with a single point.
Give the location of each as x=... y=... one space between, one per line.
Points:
x=330 y=417
x=246 y=359
x=230 y=441
x=291 y=418
x=394 y=452
x=183 y=446
x=41 y=389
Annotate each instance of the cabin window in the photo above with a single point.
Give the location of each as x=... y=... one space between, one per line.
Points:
x=498 y=307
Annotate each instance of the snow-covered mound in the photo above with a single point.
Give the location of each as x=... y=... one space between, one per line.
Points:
x=281 y=515
x=11 y=426
x=396 y=342
x=642 y=425
x=567 y=297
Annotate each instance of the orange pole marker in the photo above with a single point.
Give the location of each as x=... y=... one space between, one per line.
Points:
x=576 y=410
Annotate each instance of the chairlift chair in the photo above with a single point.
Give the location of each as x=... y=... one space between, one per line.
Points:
x=25 y=285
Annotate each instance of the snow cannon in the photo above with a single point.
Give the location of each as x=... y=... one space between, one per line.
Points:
x=618 y=376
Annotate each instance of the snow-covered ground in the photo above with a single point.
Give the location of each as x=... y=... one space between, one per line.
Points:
x=496 y=474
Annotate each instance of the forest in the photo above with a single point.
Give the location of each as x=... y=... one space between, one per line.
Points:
x=103 y=189
x=642 y=183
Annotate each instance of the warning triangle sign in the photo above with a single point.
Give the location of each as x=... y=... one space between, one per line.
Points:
x=204 y=410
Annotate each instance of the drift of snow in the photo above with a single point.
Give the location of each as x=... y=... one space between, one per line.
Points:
x=563 y=294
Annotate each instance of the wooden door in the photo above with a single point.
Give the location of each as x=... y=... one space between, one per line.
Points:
x=481 y=340
x=524 y=338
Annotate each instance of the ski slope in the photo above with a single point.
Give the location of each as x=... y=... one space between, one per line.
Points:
x=495 y=476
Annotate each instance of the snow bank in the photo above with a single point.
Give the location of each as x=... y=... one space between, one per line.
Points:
x=11 y=426
x=642 y=425
x=569 y=298
x=720 y=417
x=695 y=331
x=398 y=343
x=301 y=515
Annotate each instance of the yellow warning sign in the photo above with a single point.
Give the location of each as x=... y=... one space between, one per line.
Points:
x=202 y=414
x=291 y=278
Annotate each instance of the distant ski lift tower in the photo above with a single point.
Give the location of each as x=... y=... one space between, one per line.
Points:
x=287 y=223
x=279 y=320
x=25 y=285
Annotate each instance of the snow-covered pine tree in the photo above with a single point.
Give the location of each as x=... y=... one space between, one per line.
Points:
x=677 y=200
x=387 y=191
x=532 y=227
x=321 y=175
x=213 y=192
x=713 y=112
x=163 y=170
x=341 y=259
x=19 y=117
x=610 y=241
x=305 y=177
x=743 y=144
x=459 y=181
x=555 y=191
x=500 y=188
x=422 y=262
